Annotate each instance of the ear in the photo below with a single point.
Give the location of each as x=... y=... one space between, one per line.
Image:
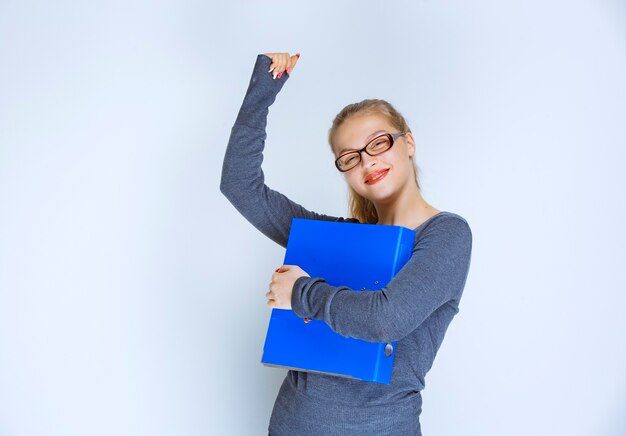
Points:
x=410 y=142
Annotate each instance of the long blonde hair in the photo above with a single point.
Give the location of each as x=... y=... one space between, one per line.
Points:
x=360 y=207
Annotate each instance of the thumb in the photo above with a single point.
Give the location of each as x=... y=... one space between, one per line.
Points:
x=293 y=60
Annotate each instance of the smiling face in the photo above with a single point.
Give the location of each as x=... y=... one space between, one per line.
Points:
x=381 y=178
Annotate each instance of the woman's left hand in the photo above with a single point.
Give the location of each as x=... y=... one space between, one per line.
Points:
x=281 y=286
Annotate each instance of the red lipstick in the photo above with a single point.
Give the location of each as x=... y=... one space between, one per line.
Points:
x=376 y=176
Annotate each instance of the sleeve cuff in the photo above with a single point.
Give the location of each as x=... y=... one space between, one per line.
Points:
x=261 y=94
x=311 y=298
x=300 y=296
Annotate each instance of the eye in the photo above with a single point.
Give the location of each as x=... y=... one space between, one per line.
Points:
x=379 y=144
x=348 y=160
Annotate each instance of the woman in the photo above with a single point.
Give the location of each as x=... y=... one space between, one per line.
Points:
x=373 y=148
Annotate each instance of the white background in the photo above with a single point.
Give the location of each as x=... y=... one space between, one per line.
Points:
x=131 y=291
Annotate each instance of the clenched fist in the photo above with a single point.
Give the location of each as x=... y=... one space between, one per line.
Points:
x=281 y=286
x=282 y=62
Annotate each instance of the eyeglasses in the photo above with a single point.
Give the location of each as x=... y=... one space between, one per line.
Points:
x=376 y=146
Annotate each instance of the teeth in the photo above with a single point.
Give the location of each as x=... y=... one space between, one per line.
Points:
x=377 y=177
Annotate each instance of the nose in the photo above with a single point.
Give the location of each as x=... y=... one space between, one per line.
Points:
x=367 y=160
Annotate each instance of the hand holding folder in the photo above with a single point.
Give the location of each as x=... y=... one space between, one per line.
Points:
x=363 y=257
x=281 y=286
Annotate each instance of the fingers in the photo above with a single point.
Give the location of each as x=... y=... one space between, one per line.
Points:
x=281 y=63
x=279 y=289
x=272 y=300
x=293 y=60
x=275 y=64
x=285 y=268
x=273 y=297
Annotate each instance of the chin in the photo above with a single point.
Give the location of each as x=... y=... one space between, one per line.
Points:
x=379 y=197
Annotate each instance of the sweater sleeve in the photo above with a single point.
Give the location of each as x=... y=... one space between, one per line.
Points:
x=243 y=182
x=434 y=275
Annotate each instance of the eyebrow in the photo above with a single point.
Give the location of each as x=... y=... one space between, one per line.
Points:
x=369 y=138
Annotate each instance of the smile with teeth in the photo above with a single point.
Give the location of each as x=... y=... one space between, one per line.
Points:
x=375 y=177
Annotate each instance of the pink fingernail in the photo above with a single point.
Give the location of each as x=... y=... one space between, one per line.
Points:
x=280 y=74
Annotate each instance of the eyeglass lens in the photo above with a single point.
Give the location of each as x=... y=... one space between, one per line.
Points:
x=376 y=146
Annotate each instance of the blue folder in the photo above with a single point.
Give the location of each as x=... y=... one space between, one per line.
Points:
x=364 y=257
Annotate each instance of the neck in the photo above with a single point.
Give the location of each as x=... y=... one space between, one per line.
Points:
x=408 y=209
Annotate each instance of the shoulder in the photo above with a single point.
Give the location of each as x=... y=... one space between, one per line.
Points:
x=446 y=228
x=347 y=220
x=444 y=218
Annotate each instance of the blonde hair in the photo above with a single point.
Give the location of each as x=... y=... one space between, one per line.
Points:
x=360 y=207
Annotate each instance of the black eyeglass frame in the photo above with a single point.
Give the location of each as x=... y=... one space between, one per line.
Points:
x=392 y=139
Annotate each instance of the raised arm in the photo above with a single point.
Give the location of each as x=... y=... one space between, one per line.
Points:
x=435 y=275
x=243 y=182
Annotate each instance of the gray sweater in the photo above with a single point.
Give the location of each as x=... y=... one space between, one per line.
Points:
x=415 y=308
